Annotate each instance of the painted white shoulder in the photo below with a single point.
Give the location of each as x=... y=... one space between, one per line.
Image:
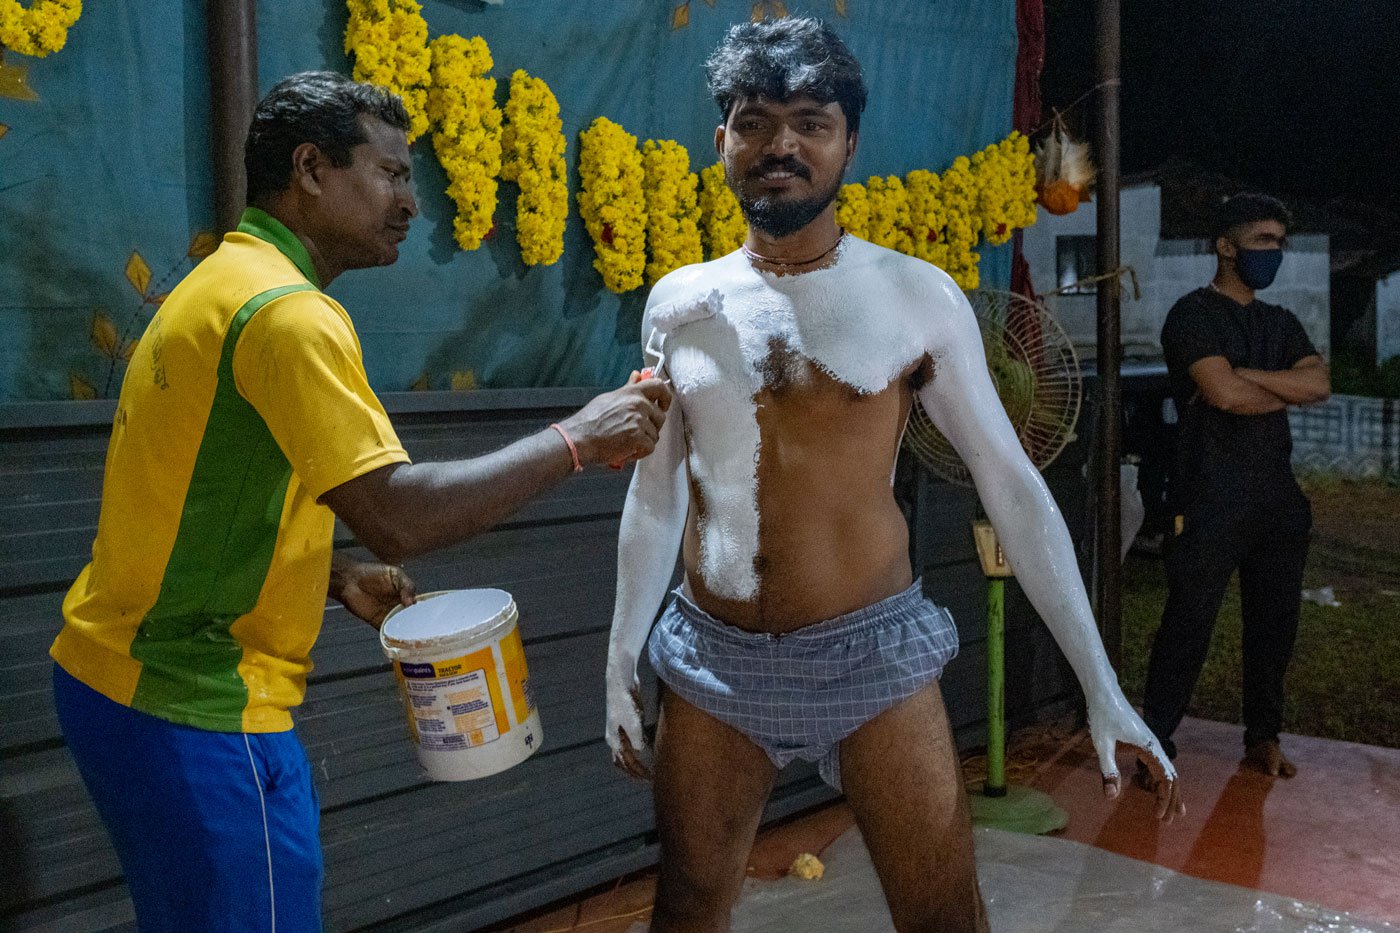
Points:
x=938 y=307
x=689 y=307
x=674 y=298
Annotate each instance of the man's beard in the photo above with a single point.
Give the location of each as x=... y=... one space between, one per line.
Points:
x=777 y=216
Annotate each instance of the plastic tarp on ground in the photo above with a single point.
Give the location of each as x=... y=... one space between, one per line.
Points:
x=113 y=159
x=1039 y=884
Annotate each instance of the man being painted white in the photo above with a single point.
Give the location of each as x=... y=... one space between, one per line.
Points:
x=799 y=631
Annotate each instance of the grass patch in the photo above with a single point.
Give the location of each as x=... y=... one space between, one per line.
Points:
x=1344 y=682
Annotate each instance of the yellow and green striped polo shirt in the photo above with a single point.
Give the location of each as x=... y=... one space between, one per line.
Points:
x=245 y=402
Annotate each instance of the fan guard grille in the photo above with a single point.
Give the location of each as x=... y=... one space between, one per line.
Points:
x=1036 y=373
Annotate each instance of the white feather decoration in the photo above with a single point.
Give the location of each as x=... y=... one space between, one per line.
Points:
x=1061 y=157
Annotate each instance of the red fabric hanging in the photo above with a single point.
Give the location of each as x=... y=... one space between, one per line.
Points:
x=1025 y=109
x=1030 y=62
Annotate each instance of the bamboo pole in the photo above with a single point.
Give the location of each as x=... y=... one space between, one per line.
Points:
x=1110 y=351
x=233 y=94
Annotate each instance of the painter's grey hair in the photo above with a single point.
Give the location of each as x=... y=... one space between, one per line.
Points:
x=781 y=59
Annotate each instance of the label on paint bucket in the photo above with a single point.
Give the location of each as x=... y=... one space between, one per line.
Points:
x=457 y=702
x=462 y=677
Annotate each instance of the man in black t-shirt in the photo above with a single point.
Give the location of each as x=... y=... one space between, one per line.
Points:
x=1235 y=364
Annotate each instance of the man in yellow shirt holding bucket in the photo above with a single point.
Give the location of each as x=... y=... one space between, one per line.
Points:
x=245 y=425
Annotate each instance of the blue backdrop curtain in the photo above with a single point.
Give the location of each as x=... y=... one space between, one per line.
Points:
x=113 y=159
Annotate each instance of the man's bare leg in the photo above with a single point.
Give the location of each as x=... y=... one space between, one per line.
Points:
x=711 y=785
x=901 y=776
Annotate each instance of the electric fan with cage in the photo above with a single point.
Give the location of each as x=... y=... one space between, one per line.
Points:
x=1036 y=373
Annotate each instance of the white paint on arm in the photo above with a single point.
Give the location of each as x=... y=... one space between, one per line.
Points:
x=962 y=402
x=653 y=522
x=670 y=315
x=715 y=380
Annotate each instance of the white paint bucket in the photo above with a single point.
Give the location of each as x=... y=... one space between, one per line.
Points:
x=461 y=671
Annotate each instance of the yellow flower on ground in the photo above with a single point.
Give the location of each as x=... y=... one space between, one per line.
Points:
x=722 y=222
x=39 y=29
x=466 y=132
x=808 y=867
x=389 y=42
x=532 y=145
x=673 y=214
x=612 y=203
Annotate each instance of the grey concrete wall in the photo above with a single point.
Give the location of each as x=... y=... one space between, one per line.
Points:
x=1388 y=317
x=1168 y=269
x=1140 y=210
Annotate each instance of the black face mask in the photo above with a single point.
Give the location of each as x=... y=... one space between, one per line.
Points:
x=1257 y=267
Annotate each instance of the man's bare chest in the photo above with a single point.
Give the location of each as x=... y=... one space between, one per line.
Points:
x=784 y=371
x=780 y=356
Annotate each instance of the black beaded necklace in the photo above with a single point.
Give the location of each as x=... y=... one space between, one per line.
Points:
x=793 y=262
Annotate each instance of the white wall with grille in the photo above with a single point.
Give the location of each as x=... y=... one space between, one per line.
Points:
x=1348 y=434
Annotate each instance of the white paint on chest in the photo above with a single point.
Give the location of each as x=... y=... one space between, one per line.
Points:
x=863 y=321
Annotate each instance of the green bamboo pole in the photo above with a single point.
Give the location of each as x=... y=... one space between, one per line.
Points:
x=1012 y=807
x=995 y=785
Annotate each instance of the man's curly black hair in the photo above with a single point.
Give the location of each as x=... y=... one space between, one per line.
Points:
x=781 y=59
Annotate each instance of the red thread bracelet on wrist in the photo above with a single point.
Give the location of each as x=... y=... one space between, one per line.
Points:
x=573 y=451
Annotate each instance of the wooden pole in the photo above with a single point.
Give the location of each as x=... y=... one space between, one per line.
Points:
x=233 y=93
x=1110 y=351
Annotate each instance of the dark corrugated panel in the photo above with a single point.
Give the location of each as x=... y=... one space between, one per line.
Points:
x=403 y=853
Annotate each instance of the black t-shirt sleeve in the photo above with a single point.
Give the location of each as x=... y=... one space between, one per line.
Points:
x=1189 y=335
x=1296 y=345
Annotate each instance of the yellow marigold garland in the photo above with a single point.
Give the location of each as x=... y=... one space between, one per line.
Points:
x=962 y=223
x=940 y=219
x=853 y=210
x=1006 y=187
x=41 y=28
x=722 y=222
x=889 y=214
x=466 y=132
x=612 y=204
x=926 y=218
x=389 y=41
x=673 y=214
x=532 y=145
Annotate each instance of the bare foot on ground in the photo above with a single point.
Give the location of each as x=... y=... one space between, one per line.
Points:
x=1268 y=757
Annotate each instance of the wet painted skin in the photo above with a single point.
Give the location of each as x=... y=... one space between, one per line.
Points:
x=774 y=467
x=772 y=472
x=793 y=518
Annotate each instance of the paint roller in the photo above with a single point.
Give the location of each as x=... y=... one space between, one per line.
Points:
x=665 y=318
